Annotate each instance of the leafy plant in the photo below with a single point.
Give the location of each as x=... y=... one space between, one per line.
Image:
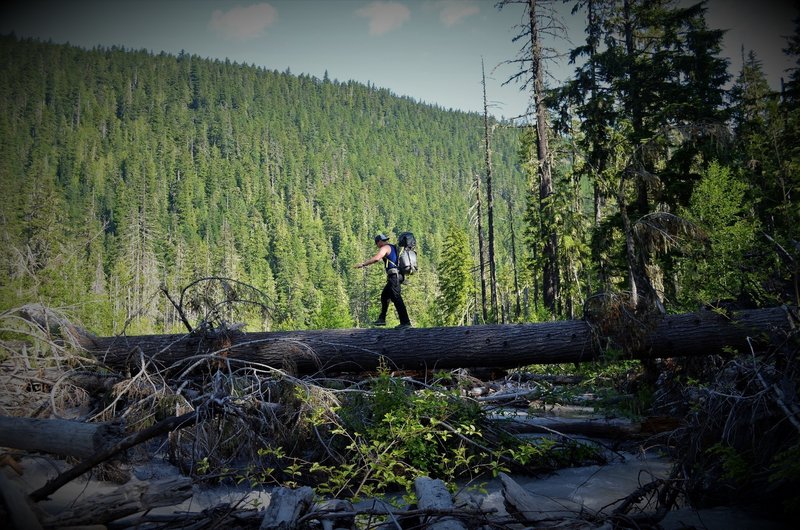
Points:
x=735 y=466
x=390 y=430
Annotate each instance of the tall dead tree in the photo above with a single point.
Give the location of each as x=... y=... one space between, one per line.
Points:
x=481 y=260
x=489 y=199
x=531 y=73
x=517 y=307
x=550 y=269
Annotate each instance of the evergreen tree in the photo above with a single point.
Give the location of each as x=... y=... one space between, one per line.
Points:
x=792 y=87
x=456 y=284
x=652 y=95
x=765 y=126
x=721 y=267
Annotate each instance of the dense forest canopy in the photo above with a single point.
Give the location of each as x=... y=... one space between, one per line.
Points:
x=127 y=175
x=125 y=172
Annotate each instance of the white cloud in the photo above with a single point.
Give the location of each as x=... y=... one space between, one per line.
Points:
x=384 y=16
x=454 y=11
x=244 y=22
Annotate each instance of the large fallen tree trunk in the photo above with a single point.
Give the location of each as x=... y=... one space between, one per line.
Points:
x=498 y=346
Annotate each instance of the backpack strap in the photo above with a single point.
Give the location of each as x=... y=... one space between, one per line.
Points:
x=397 y=255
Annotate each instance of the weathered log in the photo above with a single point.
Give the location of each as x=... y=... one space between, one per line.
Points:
x=56 y=436
x=615 y=428
x=334 y=513
x=500 y=346
x=134 y=497
x=611 y=428
x=524 y=396
x=286 y=506
x=162 y=427
x=433 y=495
x=535 y=508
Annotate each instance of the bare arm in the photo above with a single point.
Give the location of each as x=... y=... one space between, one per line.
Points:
x=376 y=258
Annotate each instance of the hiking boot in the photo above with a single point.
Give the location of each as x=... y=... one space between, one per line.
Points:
x=379 y=323
x=403 y=326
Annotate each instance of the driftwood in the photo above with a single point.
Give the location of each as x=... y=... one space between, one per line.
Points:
x=134 y=497
x=223 y=515
x=522 y=396
x=499 y=346
x=531 y=508
x=615 y=428
x=331 y=514
x=286 y=506
x=162 y=427
x=58 y=437
x=433 y=495
x=334 y=513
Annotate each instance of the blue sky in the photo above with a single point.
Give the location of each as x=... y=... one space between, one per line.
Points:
x=429 y=50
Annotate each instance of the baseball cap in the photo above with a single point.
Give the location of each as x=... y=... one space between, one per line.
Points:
x=381 y=237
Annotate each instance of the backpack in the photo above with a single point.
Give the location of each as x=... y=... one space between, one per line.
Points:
x=407 y=258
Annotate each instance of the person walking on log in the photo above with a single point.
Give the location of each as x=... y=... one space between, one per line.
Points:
x=391 y=291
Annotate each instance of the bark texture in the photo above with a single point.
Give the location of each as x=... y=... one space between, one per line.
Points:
x=496 y=346
x=56 y=436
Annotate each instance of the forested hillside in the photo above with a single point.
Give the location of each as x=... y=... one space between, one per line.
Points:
x=124 y=172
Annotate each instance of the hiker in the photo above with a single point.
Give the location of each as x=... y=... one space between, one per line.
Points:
x=388 y=253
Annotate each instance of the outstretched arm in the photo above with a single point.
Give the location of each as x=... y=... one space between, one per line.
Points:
x=376 y=258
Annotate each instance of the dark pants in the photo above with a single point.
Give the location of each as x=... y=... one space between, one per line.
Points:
x=392 y=292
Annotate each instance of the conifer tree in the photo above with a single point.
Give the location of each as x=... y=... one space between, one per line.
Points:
x=456 y=287
x=721 y=267
x=653 y=98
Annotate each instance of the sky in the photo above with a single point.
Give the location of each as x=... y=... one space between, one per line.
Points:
x=429 y=50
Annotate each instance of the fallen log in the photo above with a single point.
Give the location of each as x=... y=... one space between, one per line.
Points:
x=613 y=428
x=286 y=506
x=433 y=495
x=334 y=513
x=524 y=397
x=529 y=507
x=58 y=437
x=164 y=426
x=497 y=345
x=134 y=497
